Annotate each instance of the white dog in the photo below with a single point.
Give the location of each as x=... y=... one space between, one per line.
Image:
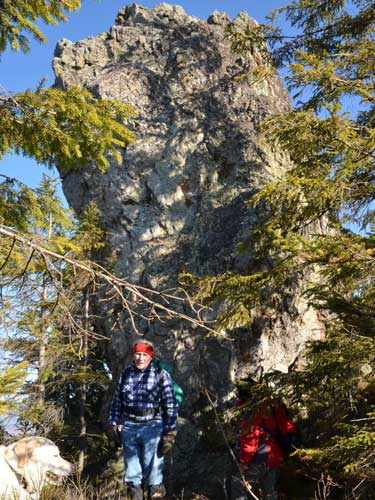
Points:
x=31 y=462
x=10 y=483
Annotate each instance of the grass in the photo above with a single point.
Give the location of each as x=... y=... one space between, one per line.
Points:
x=82 y=490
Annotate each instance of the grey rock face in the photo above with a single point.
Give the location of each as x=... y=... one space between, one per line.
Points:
x=177 y=201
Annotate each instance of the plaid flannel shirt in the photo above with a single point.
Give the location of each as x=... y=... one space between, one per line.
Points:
x=145 y=389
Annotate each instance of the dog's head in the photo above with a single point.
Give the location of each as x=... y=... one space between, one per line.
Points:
x=38 y=461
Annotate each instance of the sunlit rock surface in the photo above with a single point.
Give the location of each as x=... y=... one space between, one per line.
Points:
x=177 y=202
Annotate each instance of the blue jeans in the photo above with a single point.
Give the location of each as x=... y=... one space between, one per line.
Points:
x=143 y=463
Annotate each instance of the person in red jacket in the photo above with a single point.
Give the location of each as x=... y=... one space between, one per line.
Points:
x=264 y=439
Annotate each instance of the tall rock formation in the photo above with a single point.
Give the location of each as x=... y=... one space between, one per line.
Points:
x=177 y=201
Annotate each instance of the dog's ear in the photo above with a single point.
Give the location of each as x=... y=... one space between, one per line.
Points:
x=18 y=454
x=23 y=451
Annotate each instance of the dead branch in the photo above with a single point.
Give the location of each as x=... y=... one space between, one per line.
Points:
x=97 y=272
x=8 y=256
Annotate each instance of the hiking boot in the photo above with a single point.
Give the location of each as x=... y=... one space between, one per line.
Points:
x=157 y=491
x=134 y=492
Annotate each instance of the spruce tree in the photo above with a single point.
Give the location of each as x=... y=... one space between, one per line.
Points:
x=34 y=303
x=52 y=126
x=318 y=222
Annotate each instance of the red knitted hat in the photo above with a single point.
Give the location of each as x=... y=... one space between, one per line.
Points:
x=143 y=347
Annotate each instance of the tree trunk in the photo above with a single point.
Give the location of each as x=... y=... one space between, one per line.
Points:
x=83 y=390
x=42 y=361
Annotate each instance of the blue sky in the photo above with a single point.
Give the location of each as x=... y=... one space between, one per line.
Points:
x=20 y=71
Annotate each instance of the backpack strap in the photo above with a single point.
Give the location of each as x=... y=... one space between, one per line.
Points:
x=160 y=378
x=159 y=369
x=276 y=420
x=285 y=441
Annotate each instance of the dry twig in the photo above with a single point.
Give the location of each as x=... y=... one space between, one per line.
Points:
x=158 y=301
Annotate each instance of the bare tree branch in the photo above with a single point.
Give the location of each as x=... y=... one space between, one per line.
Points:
x=153 y=298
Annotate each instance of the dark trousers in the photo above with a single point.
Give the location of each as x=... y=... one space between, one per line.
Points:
x=263 y=480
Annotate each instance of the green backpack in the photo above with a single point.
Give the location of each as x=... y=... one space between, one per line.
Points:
x=162 y=365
